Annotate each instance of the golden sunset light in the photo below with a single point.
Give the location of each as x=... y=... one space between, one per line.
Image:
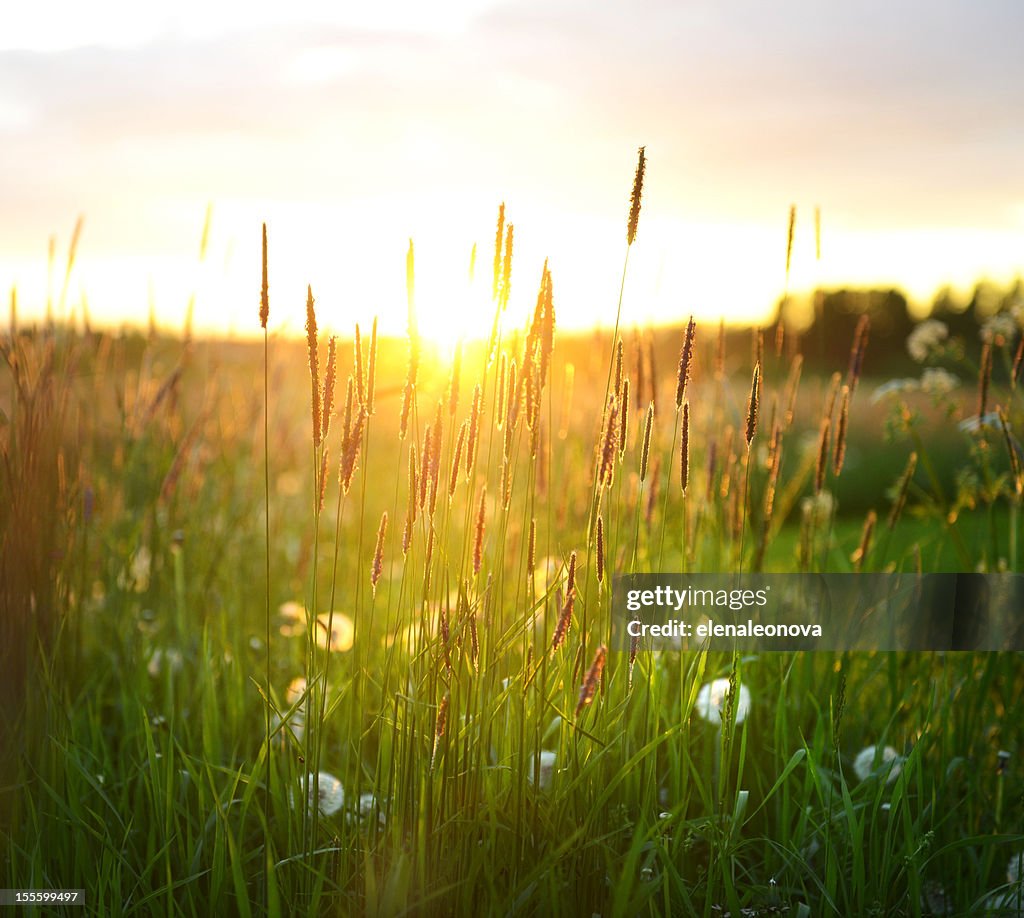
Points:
x=512 y=458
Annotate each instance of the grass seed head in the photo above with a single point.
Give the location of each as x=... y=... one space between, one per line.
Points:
x=634 y=198
x=753 y=404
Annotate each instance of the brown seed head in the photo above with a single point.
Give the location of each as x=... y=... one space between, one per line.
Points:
x=634 y=199
x=753 y=404
x=329 y=382
x=645 y=450
x=314 y=364
x=685 y=358
x=592 y=679
x=478 y=538
x=839 y=452
x=378 y=555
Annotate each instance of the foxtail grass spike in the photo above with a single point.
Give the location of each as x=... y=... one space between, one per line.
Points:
x=478 y=536
x=378 y=553
x=753 y=404
x=645 y=450
x=634 y=199
x=314 y=364
x=329 y=383
x=593 y=678
x=839 y=448
x=860 y=555
x=685 y=358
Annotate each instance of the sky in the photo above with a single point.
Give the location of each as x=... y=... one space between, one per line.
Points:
x=352 y=128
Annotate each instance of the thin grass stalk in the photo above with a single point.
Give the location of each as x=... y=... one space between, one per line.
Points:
x=264 y=317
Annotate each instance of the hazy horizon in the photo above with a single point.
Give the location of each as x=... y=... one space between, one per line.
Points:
x=350 y=131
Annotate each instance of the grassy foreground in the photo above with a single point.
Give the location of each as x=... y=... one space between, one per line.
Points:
x=218 y=604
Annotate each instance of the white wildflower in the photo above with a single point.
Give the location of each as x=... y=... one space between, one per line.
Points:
x=937 y=381
x=889 y=765
x=712 y=697
x=329 y=791
x=547 y=770
x=925 y=338
x=341 y=632
x=894 y=387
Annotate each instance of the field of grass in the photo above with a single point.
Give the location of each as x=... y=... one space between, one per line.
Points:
x=232 y=582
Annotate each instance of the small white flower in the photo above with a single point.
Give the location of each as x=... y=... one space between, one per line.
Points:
x=547 y=770
x=937 y=381
x=894 y=387
x=342 y=632
x=889 y=766
x=329 y=790
x=925 y=338
x=712 y=697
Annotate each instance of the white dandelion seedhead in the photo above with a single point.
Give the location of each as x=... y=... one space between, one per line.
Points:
x=712 y=698
x=334 y=632
x=547 y=770
x=328 y=789
x=890 y=763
